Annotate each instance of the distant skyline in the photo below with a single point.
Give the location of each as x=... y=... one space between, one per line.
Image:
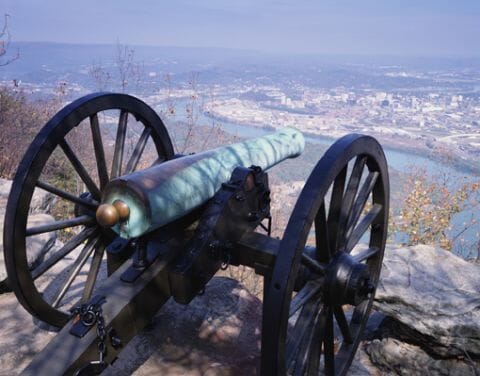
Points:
x=397 y=27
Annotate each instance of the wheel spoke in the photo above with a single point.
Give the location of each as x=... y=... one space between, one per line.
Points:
x=365 y=254
x=323 y=253
x=300 y=329
x=300 y=363
x=304 y=295
x=343 y=324
x=76 y=267
x=119 y=145
x=335 y=207
x=328 y=344
x=362 y=227
x=312 y=264
x=93 y=272
x=58 y=225
x=64 y=251
x=349 y=197
x=99 y=151
x=66 y=195
x=316 y=344
x=138 y=151
x=92 y=187
x=360 y=202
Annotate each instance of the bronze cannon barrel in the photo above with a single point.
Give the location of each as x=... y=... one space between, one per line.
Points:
x=163 y=193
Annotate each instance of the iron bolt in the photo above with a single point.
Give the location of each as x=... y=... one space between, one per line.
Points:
x=115 y=341
x=239 y=197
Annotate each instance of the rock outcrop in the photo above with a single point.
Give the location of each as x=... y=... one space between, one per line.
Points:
x=432 y=298
x=218 y=333
x=42 y=201
x=406 y=359
x=38 y=245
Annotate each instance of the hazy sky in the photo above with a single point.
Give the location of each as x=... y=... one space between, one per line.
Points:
x=406 y=27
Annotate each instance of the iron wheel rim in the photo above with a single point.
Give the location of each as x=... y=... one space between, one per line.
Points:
x=29 y=171
x=278 y=299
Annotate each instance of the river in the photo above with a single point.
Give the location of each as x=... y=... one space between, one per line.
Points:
x=404 y=163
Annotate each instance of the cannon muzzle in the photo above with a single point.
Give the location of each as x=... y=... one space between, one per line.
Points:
x=143 y=201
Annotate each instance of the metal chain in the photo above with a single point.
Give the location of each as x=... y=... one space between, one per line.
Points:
x=92 y=314
x=101 y=333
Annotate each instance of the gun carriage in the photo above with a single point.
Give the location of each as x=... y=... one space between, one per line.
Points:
x=164 y=230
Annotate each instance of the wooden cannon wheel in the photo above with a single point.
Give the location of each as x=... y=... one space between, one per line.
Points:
x=318 y=325
x=89 y=142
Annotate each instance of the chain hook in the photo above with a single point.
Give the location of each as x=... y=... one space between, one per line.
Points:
x=226 y=261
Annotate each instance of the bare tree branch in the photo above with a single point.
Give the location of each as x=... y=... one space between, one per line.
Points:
x=5 y=39
x=128 y=69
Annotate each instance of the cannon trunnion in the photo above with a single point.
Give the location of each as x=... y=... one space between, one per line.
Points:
x=135 y=222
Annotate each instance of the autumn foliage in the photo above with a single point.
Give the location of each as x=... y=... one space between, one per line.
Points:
x=429 y=208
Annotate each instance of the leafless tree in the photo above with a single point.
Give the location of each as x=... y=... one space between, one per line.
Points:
x=128 y=69
x=5 y=39
x=101 y=76
x=191 y=110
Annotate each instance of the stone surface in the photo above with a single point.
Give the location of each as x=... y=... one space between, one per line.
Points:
x=38 y=245
x=20 y=336
x=399 y=349
x=406 y=359
x=42 y=201
x=218 y=333
x=435 y=293
x=5 y=186
x=362 y=365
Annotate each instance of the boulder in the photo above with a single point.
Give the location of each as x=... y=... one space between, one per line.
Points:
x=406 y=359
x=435 y=293
x=42 y=201
x=432 y=299
x=38 y=245
x=5 y=186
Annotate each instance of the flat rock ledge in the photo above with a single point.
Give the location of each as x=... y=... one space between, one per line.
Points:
x=432 y=299
x=218 y=333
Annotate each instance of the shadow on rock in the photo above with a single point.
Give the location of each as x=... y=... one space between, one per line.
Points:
x=218 y=333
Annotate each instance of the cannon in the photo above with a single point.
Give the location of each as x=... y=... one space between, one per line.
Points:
x=137 y=224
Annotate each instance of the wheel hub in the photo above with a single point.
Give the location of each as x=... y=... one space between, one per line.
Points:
x=347 y=281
